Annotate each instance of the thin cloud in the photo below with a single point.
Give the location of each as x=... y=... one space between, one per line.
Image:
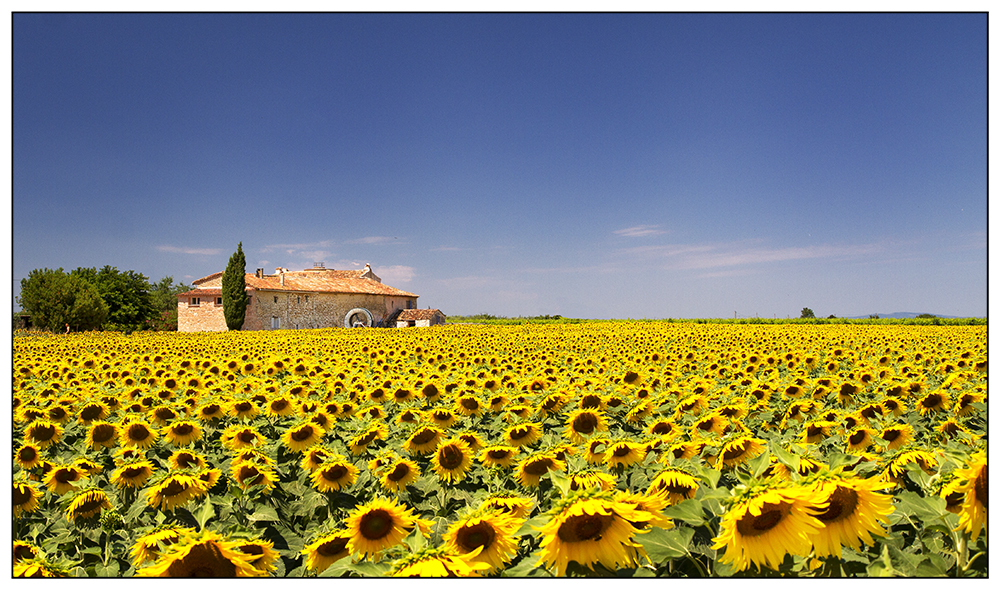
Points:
x=181 y=250
x=740 y=254
x=374 y=240
x=639 y=231
x=395 y=274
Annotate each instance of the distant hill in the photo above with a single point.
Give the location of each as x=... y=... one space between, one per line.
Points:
x=899 y=315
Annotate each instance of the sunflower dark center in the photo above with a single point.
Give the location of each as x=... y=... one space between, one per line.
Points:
x=584 y=527
x=185 y=460
x=770 y=516
x=375 y=524
x=247 y=436
x=424 y=436
x=331 y=548
x=27 y=454
x=814 y=431
x=843 y=503
x=399 y=472
x=590 y=401
x=133 y=472
x=982 y=492
x=734 y=452
x=858 y=437
x=621 y=451
x=931 y=401
x=470 y=404
x=477 y=535
x=43 y=432
x=519 y=433
x=279 y=405
x=450 y=457
x=93 y=502
x=367 y=438
x=538 y=467
x=663 y=428
x=21 y=495
x=302 y=434
x=165 y=414
x=631 y=377
x=892 y=434
x=498 y=454
x=65 y=475
x=91 y=412
x=677 y=488
x=174 y=488
x=204 y=560
x=585 y=423
x=334 y=473
x=183 y=429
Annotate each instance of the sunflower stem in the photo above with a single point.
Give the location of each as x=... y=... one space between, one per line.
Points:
x=962 y=554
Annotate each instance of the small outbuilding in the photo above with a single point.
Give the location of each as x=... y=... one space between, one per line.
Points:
x=420 y=318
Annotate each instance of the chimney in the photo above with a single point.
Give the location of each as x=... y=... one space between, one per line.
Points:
x=281 y=274
x=260 y=273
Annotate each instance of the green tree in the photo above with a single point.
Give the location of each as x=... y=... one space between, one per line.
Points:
x=807 y=313
x=56 y=299
x=126 y=294
x=163 y=295
x=234 y=290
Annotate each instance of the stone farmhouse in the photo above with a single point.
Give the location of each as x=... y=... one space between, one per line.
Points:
x=420 y=318
x=316 y=297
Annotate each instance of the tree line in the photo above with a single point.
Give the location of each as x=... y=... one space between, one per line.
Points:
x=104 y=299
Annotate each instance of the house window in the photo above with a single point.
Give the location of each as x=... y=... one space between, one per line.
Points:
x=275 y=323
x=298 y=299
x=218 y=300
x=195 y=301
x=307 y=299
x=275 y=298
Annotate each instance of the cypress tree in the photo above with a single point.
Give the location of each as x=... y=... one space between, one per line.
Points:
x=234 y=290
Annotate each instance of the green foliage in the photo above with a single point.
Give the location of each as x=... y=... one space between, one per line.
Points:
x=807 y=313
x=163 y=295
x=55 y=299
x=234 y=294
x=126 y=294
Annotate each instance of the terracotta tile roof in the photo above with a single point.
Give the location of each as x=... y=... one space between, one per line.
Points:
x=201 y=293
x=417 y=314
x=325 y=280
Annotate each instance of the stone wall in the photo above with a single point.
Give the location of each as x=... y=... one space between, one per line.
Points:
x=207 y=316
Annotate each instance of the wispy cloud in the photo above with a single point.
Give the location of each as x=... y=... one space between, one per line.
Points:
x=182 y=250
x=396 y=274
x=741 y=254
x=375 y=240
x=447 y=249
x=293 y=249
x=639 y=231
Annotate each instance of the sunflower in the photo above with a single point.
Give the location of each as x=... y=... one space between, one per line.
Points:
x=815 y=431
x=765 y=523
x=133 y=474
x=92 y=411
x=25 y=497
x=523 y=434
x=183 y=459
x=684 y=450
x=490 y=533
x=314 y=456
x=597 y=450
x=651 y=504
x=897 y=436
x=623 y=453
x=243 y=408
x=89 y=467
x=210 y=412
x=149 y=546
x=972 y=518
x=163 y=415
x=203 y=555
x=279 y=407
x=896 y=466
x=37 y=568
x=181 y=433
x=334 y=475
x=472 y=438
x=852 y=509
x=423 y=440
x=531 y=469
x=372 y=433
x=583 y=423
x=138 y=434
x=590 y=528
x=468 y=405
x=860 y=439
x=498 y=456
x=379 y=524
x=639 y=413
x=452 y=460
x=260 y=554
x=933 y=402
x=665 y=429
x=436 y=563
x=443 y=417
x=28 y=456
x=22 y=550
x=399 y=474
x=176 y=489
x=741 y=449
x=508 y=503
x=87 y=503
x=250 y=474
x=592 y=479
x=303 y=435
x=238 y=436
x=43 y=433
x=675 y=484
x=61 y=478
x=326 y=550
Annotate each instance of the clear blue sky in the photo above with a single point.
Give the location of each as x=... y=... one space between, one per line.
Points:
x=599 y=166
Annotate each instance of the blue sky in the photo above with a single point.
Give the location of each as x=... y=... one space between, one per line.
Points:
x=588 y=165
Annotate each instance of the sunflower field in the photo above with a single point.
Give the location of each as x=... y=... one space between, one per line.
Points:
x=594 y=449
